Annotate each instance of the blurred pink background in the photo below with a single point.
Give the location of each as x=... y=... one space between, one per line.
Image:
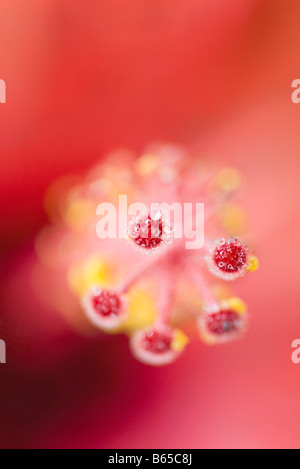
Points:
x=86 y=77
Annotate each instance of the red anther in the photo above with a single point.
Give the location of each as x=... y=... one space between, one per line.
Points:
x=219 y=324
x=228 y=259
x=147 y=232
x=104 y=308
x=230 y=256
x=224 y=322
x=107 y=304
x=157 y=341
x=153 y=346
x=150 y=232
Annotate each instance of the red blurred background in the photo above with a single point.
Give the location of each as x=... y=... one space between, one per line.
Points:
x=83 y=78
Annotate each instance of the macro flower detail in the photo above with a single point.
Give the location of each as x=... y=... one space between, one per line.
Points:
x=158 y=346
x=223 y=322
x=158 y=301
x=104 y=308
x=228 y=259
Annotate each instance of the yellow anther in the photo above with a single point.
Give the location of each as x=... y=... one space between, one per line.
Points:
x=253 y=264
x=79 y=213
x=236 y=304
x=141 y=311
x=147 y=164
x=233 y=218
x=228 y=179
x=179 y=341
x=83 y=276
